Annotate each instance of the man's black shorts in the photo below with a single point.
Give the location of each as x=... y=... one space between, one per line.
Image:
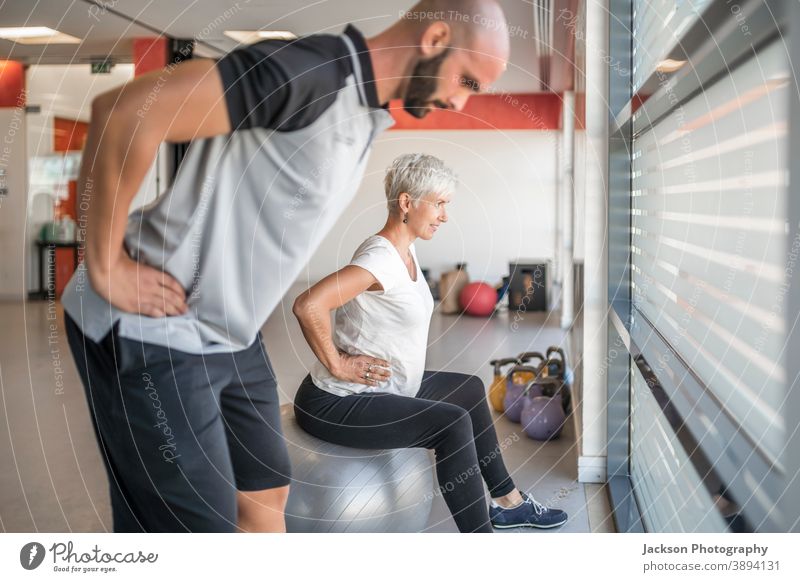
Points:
x=181 y=433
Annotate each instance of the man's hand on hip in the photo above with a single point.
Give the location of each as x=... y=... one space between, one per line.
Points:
x=139 y=288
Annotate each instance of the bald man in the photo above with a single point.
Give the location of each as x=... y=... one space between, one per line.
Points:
x=163 y=317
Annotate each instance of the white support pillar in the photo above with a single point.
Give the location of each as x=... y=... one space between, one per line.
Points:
x=13 y=203
x=567 y=195
x=556 y=275
x=592 y=459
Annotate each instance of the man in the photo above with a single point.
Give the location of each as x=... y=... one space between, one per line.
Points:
x=164 y=319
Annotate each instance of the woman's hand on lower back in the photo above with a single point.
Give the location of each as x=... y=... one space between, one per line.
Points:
x=361 y=369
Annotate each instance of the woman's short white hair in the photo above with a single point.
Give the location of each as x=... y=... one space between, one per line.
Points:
x=419 y=175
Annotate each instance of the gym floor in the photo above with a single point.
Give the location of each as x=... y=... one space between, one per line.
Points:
x=53 y=478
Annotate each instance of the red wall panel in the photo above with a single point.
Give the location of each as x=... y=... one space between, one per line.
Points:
x=64 y=268
x=503 y=111
x=149 y=54
x=69 y=134
x=12 y=84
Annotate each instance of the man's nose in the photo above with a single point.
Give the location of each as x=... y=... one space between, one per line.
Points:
x=458 y=102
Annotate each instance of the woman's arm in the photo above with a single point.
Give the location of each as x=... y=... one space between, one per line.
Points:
x=313 y=309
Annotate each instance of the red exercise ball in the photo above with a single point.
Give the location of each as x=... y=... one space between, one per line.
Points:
x=478 y=299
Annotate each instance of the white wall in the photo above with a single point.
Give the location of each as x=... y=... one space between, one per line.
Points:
x=503 y=209
x=579 y=250
x=64 y=91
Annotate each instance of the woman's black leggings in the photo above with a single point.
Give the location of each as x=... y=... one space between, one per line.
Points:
x=449 y=415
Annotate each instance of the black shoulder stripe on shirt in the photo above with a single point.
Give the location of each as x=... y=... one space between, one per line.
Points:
x=283 y=85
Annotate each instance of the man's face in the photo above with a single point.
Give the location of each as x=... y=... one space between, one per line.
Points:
x=447 y=80
x=423 y=85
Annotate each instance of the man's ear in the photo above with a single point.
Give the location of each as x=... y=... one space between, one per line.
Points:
x=435 y=39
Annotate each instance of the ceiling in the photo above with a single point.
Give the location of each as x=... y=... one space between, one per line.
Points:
x=107 y=28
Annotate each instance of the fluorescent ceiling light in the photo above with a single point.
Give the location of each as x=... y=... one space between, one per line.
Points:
x=669 y=66
x=37 y=35
x=251 y=36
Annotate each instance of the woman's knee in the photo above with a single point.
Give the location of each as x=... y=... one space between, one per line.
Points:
x=472 y=390
x=456 y=423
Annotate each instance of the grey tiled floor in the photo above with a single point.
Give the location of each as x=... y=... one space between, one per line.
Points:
x=53 y=478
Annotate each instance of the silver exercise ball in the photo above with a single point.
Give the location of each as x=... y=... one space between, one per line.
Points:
x=340 y=489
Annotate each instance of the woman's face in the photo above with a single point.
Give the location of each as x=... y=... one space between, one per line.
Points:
x=428 y=214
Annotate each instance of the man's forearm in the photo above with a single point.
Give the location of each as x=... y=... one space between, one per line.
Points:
x=116 y=160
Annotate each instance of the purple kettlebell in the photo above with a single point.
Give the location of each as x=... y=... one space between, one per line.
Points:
x=513 y=400
x=533 y=391
x=543 y=418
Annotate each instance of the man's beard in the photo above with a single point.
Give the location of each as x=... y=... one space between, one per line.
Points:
x=422 y=86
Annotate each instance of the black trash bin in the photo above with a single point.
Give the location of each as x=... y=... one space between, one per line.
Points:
x=527 y=288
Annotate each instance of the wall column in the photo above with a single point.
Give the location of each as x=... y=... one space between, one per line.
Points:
x=592 y=459
x=13 y=180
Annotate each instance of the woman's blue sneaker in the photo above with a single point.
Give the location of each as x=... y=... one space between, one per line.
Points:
x=529 y=513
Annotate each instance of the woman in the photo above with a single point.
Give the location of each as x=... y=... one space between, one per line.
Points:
x=369 y=388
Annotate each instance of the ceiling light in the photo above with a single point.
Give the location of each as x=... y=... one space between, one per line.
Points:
x=251 y=36
x=669 y=66
x=37 y=35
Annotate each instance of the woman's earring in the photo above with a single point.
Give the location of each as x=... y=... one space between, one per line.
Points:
x=405 y=218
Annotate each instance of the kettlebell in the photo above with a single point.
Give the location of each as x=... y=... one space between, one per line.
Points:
x=497 y=390
x=513 y=399
x=534 y=389
x=525 y=358
x=555 y=366
x=542 y=418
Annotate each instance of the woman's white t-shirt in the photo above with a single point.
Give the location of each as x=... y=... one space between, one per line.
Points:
x=391 y=324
